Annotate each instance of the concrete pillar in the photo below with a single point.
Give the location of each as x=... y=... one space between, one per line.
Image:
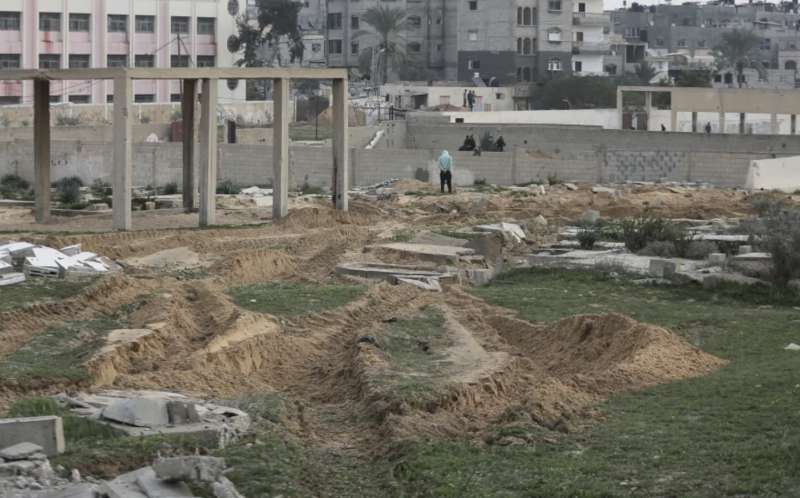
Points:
x=793 y=124
x=619 y=108
x=41 y=148
x=648 y=107
x=340 y=145
x=123 y=154
x=694 y=122
x=673 y=120
x=208 y=153
x=187 y=111
x=741 y=123
x=280 y=147
x=773 y=124
x=722 y=122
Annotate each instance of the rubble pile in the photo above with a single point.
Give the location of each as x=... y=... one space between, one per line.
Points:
x=20 y=260
x=25 y=472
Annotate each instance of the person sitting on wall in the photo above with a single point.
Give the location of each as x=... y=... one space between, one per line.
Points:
x=469 y=143
x=500 y=144
x=477 y=151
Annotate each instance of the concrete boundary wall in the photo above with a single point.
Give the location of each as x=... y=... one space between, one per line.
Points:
x=158 y=164
x=781 y=174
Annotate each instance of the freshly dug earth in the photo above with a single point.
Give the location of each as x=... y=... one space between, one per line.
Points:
x=478 y=367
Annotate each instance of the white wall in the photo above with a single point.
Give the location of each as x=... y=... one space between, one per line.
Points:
x=455 y=95
x=760 y=123
x=781 y=174
x=605 y=118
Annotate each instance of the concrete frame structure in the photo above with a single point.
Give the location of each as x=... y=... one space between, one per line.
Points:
x=207 y=79
x=722 y=101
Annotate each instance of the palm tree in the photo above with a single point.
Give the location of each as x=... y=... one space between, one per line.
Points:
x=738 y=50
x=645 y=72
x=387 y=23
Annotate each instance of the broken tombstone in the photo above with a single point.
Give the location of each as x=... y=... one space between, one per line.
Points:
x=189 y=468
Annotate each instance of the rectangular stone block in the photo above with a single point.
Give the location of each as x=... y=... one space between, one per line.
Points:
x=47 y=432
x=662 y=268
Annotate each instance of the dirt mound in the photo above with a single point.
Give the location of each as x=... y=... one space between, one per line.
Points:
x=408 y=185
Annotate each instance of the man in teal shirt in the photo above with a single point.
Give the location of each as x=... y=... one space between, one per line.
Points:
x=446 y=171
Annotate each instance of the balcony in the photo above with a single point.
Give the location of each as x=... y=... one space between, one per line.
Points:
x=589 y=19
x=583 y=47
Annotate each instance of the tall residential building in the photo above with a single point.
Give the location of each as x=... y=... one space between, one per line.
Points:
x=109 y=33
x=590 y=37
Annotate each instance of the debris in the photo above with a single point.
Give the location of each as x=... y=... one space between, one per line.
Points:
x=792 y=347
x=73 y=250
x=571 y=186
x=40 y=261
x=445 y=254
x=510 y=231
x=540 y=222
x=662 y=268
x=20 y=451
x=140 y=412
x=745 y=249
x=717 y=258
x=424 y=283
x=597 y=189
x=189 y=468
x=46 y=432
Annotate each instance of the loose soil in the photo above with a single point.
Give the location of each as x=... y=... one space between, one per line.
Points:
x=485 y=367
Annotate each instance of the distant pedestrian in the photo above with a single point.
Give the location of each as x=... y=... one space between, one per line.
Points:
x=470 y=99
x=663 y=128
x=465 y=98
x=446 y=171
x=708 y=128
x=500 y=144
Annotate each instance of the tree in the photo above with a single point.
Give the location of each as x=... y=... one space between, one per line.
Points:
x=273 y=20
x=576 y=92
x=738 y=50
x=386 y=23
x=694 y=77
x=645 y=72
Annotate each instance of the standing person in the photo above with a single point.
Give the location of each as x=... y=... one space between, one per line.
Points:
x=446 y=171
x=708 y=128
x=465 y=98
x=663 y=128
x=500 y=144
x=470 y=100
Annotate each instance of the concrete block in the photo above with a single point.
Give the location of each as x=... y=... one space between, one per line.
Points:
x=139 y=412
x=47 y=432
x=73 y=250
x=13 y=469
x=82 y=490
x=717 y=258
x=181 y=413
x=488 y=245
x=11 y=278
x=20 y=451
x=662 y=268
x=744 y=249
x=6 y=268
x=189 y=468
x=153 y=487
x=5 y=257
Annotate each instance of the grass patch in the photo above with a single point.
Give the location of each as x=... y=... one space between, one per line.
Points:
x=58 y=354
x=413 y=347
x=293 y=298
x=403 y=236
x=39 y=290
x=731 y=433
x=299 y=131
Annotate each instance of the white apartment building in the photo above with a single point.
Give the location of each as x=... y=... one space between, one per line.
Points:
x=590 y=37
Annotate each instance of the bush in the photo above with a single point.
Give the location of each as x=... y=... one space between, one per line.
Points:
x=14 y=187
x=588 y=234
x=660 y=248
x=228 y=187
x=782 y=239
x=307 y=189
x=69 y=189
x=700 y=249
x=100 y=189
x=553 y=179
x=638 y=232
x=64 y=120
x=170 y=188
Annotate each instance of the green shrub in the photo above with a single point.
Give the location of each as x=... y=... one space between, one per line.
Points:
x=553 y=179
x=660 y=248
x=588 y=234
x=781 y=238
x=307 y=189
x=700 y=249
x=638 y=232
x=69 y=189
x=228 y=187
x=64 y=120
x=14 y=187
x=100 y=188
x=170 y=188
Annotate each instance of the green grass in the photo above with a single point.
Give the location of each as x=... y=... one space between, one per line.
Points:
x=39 y=290
x=732 y=433
x=413 y=349
x=58 y=354
x=293 y=298
x=306 y=132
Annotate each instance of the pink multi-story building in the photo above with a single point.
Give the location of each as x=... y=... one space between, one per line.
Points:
x=108 y=33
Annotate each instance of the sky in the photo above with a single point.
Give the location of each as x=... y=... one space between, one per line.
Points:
x=615 y=4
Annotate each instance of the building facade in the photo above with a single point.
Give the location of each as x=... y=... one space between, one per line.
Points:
x=108 y=33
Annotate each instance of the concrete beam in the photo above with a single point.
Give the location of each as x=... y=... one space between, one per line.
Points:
x=208 y=153
x=773 y=124
x=722 y=122
x=620 y=108
x=123 y=154
x=340 y=146
x=188 y=103
x=741 y=123
x=694 y=122
x=648 y=107
x=280 y=147
x=673 y=120
x=793 y=124
x=41 y=148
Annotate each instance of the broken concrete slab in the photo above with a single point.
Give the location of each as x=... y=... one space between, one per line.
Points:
x=597 y=189
x=438 y=239
x=753 y=257
x=442 y=254
x=18 y=468
x=47 y=432
x=139 y=412
x=189 y=468
x=79 y=490
x=72 y=250
x=6 y=268
x=5 y=257
x=476 y=276
x=510 y=231
x=182 y=413
x=224 y=488
x=662 y=268
x=154 y=487
x=425 y=283
x=389 y=272
x=11 y=278
x=20 y=451
x=717 y=258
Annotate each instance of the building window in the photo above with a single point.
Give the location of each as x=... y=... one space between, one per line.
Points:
x=145 y=24
x=473 y=64
x=334 y=46
x=79 y=22
x=175 y=97
x=682 y=43
x=526 y=74
x=10 y=100
x=109 y=99
x=117 y=24
x=80 y=99
x=49 y=21
x=179 y=61
x=414 y=47
x=701 y=44
x=526 y=46
x=519 y=74
x=206 y=61
x=49 y=61
x=79 y=61
x=117 y=61
x=144 y=98
x=554 y=5
x=354 y=22
x=180 y=25
x=9 y=61
x=55 y=99
x=659 y=42
x=519 y=17
x=554 y=64
x=9 y=21
x=790 y=66
x=554 y=36
x=717 y=78
x=472 y=35
x=335 y=21
x=414 y=22
x=206 y=26
x=581 y=7
x=353 y=48
x=526 y=16
x=765 y=43
x=578 y=66
x=632 y=33
x=145 y=60
x=519 y=46
x=473 y=4
x=579 y=36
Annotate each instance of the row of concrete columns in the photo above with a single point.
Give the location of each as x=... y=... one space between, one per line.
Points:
x=207 y=149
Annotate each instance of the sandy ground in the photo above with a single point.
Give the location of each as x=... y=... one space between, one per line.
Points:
x=497 y=368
